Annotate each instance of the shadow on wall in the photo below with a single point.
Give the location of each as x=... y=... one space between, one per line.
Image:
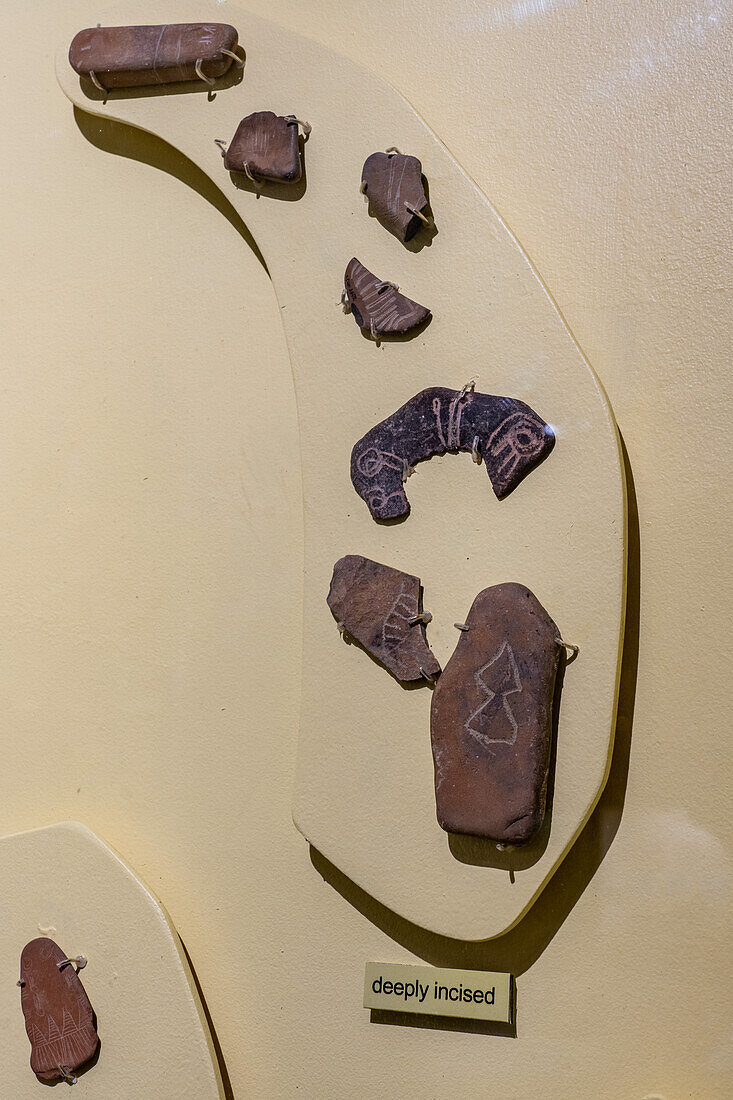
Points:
x=523 y=944
x=225 y=1078
x=135 y=144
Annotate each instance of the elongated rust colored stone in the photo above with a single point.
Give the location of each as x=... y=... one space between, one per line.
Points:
x=131 y=57
x=394 y=186
x=58 y=1016
x=507 y=434
x=377 y=306
x=491 y=718
x=379 y=607
x=266 y=146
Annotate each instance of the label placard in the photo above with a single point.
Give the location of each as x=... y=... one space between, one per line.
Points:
x=472 y=994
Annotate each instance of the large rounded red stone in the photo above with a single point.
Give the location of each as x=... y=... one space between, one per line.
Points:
x=491 y=718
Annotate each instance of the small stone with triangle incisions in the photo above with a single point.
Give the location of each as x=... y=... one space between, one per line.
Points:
x=59 y=1019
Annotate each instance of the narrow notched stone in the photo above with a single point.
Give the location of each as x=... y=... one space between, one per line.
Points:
x=491 y=718
x=393 y=183
x=131 y=57
x=507 y=434
x=376 y=605
x=379 y=308
x=59 y=1019
x=266 y=146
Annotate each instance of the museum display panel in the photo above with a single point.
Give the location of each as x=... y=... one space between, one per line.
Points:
x=458 y=809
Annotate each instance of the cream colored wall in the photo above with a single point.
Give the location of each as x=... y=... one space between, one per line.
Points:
x=139 y=522
x=63 y=882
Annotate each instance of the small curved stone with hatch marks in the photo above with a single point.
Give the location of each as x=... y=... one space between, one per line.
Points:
x=393 y=183
x=59 y=1019
x=133 y=57
x=377 y=305
x=505 y=433
x=381 y=608
x=491 y=718
x=266 y=147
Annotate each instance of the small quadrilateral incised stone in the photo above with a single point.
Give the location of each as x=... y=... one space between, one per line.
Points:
x=381 y=608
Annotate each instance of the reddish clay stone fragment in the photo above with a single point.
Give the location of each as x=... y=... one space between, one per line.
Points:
x=58 y=1016
x=377 y=306
x=265 y=145
x=394 y=186
x=509 y=436
x=379 y=607
x=491 y=718
x=131 y=57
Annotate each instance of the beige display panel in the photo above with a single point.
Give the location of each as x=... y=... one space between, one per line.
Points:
x=63 y=882
x=364 y=783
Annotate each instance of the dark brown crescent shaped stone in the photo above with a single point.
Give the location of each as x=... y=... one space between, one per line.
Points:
x=491 y=718
x=59 y=1019
x=377 y=306
x=393 y=184
x=375 y=604
x=268 y=144
x=509 y=436
x=131 y=57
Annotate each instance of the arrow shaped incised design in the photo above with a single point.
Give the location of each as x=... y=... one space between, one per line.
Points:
x=496 y=707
